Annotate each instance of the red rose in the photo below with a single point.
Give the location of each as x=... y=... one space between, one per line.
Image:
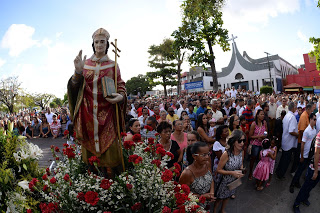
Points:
x=69 y=152
x=45 y=177
x=105 y=184
x=91 y=198
x=194 y=208
x=66 y=132
x=185 y=188
x=159 y=145
x=45 y=188
x=177 y=189
x=147 y=149
x=157 y=134
x=177 y=166
x=56 y=149
x=53 y=180
x=151 y=141
x=123 y=134
x=74 y=134
x=167 y=175
x=93 y=160
x=29 y=210
x=50 y=207
x=181 y=198
x=156 y=162
x=135 y=159
x=80 y=196
x=136 y=207
x=166 y=209
x=170 y=155
x=66 y=177
x=65 y=144
x=128 y=144
x=202 y=199
x=147 y=127
x=177 y=173
x=48 y=171
x=136 y=137
x=31 y=186
x=161 y=151
x=57 y=158
x=129 y=186
x=52 y=146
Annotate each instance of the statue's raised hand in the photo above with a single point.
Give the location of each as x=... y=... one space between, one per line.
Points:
x=79 y=63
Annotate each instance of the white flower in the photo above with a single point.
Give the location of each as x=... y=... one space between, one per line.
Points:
x=35 y=151
x=24 y=184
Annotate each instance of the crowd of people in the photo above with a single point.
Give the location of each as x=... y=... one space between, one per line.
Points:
x=36 y=124
x=214 y=136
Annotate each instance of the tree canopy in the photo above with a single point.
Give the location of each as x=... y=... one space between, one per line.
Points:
x=9 y=90
x=161 y=59
x=202 y=29
x=137 y=84
x=316 y=45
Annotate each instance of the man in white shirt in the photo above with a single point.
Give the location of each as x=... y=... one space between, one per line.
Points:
x=301 y=103
x=233 y=93
x=308 y=135
x=184 y=107
x=283 y=106
x=289 y=140
x=216 y=114
x=134 y=109
x=49 y=115
x=272 y=114
x=227 y=107
x=239 y=106
x=144 y=117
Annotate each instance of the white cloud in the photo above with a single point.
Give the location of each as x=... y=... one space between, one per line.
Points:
x=58 y=34
x=250 y=15
x=302 y=36
x=18 y=38
x=2 y=62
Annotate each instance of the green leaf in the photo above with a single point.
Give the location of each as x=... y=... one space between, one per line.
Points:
x=25 y=167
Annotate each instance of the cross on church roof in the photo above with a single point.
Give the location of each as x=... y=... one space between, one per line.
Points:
x=232 y=38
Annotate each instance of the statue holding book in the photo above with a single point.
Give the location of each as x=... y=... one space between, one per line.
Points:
x=93 y=106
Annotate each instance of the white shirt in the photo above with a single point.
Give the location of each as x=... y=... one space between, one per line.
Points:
x=256 y=109
x=318 y=124
x=279 y=110
x=217 y=147
x=49 y=117
x=290 y=124
x=272 y=110
x=134 y=113
x=307 y=137
x=180 y=110
x=302 y=105
x=217 y=115
x=241 y=110
x=233 y=93
x=141 y=121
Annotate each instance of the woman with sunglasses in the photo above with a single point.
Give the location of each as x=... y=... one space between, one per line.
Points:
x=198 y=175
x=230 y=166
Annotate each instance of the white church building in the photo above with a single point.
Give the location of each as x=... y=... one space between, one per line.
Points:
x=244 y=72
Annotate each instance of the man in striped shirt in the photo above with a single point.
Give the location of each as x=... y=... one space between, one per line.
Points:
x=247 y=112
x=312 y=179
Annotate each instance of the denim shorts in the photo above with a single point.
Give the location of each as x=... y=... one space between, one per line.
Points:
x=255 y=150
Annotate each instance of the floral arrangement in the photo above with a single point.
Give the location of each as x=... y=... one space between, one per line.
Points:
x=146 y=185
x=19 y=163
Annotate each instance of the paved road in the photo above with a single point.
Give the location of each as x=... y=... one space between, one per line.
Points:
x=274 y=199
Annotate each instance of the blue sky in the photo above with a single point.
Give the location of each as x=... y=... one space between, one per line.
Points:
x=39 y=39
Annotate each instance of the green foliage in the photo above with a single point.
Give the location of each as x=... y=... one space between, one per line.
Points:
x=58 y=101
x=53 y=105
x=316 y=45
x=161 y=59
x=42 y=99
x=202 y=29
x=65 y=98
x=140 y=84
x=266 y=90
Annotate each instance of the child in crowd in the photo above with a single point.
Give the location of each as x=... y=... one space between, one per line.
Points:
x=273 y=151
x=262 y=170
x=212 y=123
x=245 y=128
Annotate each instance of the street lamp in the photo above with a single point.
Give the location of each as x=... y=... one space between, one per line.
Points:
x=269 y=70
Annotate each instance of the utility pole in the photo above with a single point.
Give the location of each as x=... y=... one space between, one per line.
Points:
x=269 y=70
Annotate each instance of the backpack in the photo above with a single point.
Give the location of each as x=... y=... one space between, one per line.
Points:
x=312 y=150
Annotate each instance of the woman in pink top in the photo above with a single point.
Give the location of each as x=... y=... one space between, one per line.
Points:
x=178 y=135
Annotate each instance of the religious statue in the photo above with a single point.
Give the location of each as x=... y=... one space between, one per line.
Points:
x=93 y=114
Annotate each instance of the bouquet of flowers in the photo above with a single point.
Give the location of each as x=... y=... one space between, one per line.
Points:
x=146 y=185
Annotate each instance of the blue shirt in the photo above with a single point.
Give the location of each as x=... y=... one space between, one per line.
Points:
x=298 y=117
x=193 y=119
x=200 y=110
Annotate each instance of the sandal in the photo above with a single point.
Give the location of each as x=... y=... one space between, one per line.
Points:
x=250 y=177
x=233 y=196
x=260 y=188
x=268 y=184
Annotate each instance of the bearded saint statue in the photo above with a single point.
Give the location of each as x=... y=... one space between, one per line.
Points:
x=94 y=116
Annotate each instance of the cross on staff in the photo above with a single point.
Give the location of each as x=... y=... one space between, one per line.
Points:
x=116 y=50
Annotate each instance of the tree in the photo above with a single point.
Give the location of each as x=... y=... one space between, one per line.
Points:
x=316 y=46
x=202 y=29
x=9 y=90
x=43 y=99
x=58 y=101
x=65 y=99
x=161 y=60
x=140 y=83
x=53 y=104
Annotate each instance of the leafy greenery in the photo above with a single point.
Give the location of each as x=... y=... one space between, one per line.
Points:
x=162 y=60
x=202 y=29
x=316 y=46
x=266 y=90
x=42 y=99
x=137 y=84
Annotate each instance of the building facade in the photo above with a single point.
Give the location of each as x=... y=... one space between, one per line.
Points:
x=245 y=73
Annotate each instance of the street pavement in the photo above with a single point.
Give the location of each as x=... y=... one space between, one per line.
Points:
x=274 y=199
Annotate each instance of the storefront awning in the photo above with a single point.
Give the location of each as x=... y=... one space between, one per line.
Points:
x=308 y=89
x=292 y=90
x=317 y=91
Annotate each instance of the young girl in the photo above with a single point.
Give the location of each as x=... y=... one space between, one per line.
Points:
x=273 y=151
x=212 y=123
x=262 y=170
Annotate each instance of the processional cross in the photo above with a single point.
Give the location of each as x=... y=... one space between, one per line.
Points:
x=116 y=50
x=232 y=38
